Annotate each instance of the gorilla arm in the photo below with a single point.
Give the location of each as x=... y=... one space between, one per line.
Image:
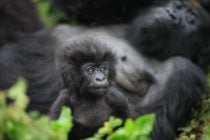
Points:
x=61 y=100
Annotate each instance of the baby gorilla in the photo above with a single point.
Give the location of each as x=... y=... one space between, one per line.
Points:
x=88 y=70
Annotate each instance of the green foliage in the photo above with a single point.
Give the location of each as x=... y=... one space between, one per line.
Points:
x=204 y=119
x=16 y=124
x=138 y=129
x=49 y=15
x=206 y=135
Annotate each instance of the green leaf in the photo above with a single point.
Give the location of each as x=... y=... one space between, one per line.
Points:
x=17 y=92
x=129 y=126
x=145 y=124
x=64 y=122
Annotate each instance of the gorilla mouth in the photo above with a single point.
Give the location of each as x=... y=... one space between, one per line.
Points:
x=99 y=90
x=100 y=87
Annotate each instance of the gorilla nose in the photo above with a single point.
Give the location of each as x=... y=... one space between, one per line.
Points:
x=100 y=77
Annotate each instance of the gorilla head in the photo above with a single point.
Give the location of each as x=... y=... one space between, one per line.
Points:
x=179 y=27
x=88 y=67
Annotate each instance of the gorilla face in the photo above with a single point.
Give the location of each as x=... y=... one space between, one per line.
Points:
x=179 y=25
x=186 y=16
x=95 y=79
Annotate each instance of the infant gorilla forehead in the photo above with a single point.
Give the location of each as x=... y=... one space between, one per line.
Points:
x=85 y=50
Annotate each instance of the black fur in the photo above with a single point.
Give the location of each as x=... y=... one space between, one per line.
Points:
x=206 y=4
x=36 y=54
x=17 y=16
x=95 y=12
x=177 y=28
x=10 y=67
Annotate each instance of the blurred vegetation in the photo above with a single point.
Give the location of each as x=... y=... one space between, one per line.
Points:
x=51 y=15
x=48 y=14
x=16 y=124
x=138 y=129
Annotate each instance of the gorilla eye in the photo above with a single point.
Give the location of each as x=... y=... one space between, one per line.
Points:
x=102 y=69
x=191 y=17
x=90 y=70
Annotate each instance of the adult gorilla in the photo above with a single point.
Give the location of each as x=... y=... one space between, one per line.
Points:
x=170 y=88
x=178 y=28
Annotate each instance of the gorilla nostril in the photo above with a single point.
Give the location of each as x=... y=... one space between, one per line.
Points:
x=123 y=58
x=173 y=15
x=100 y=78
